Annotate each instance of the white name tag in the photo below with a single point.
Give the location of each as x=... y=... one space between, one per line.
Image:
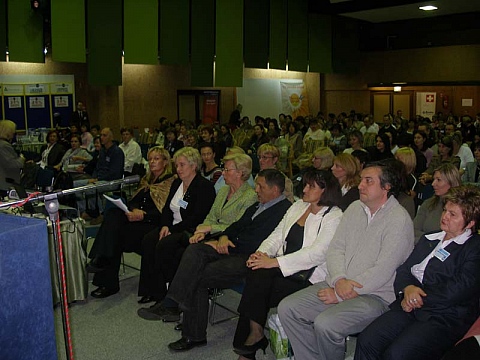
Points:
x=182 y=203
x=442 y=254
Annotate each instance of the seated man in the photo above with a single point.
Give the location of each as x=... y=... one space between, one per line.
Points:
x=222 y=263
x=374 y=237
x=131 y=150
x=109 y=167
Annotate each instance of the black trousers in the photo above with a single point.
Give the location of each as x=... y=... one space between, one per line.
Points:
x=399 y=335
x=160 y=261
x=264 y=289
x=201 y=268
x=116 y=235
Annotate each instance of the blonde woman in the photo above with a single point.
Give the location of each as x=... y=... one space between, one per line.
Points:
x=11 y=164
x=122 y=231
x=268 y=156
x=407 y=156
x=428 y=216
x=346 y=169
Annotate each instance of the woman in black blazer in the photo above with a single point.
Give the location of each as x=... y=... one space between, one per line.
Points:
x=438 y=289
x=189 y=201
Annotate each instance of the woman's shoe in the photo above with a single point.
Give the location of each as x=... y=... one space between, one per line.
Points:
x=252 y=349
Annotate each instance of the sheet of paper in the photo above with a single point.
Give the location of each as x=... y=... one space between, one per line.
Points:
x=117 y=202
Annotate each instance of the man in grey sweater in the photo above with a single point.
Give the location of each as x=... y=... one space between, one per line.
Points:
x=374 y=237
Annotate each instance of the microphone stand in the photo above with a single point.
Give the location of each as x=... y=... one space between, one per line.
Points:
x=52 y=206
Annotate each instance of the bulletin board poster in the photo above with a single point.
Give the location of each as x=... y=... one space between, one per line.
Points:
x=14 y=105
x=62 y=102
x=38 y=105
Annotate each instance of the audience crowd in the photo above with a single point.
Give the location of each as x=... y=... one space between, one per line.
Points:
x=317 y=216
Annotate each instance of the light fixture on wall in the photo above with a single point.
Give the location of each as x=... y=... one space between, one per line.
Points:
x=428 y=8
x=397 y=88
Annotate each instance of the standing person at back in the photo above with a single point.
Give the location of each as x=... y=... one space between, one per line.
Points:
x=374 y=237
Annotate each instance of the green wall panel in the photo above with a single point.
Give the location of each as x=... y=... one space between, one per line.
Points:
x=3 y=29
x=140 y=38
x=174 y=31
x=104 y=29
x=25 y=33
x=68 y=31
x=256 y=33
x=345 y=45
x=203 y=42
x=320 y=43
x=229 y=43
x=278 y=34
x=297 y=35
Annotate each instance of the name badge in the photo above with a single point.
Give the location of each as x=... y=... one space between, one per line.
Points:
x=442 y=254
x=182 y=203
x=107 y=158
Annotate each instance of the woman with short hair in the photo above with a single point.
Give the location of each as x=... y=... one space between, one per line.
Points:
x=11 y=164
x=188 y=203
x=437 y=289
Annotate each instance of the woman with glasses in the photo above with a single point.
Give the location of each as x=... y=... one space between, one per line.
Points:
x=268 y=155
x=232 y=199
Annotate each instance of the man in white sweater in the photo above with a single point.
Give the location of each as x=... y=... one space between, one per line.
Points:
x=374 y=237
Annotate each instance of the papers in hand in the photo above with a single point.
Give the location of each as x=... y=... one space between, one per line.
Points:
x=118 y=203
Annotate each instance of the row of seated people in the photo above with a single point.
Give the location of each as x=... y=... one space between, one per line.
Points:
x=350 y=278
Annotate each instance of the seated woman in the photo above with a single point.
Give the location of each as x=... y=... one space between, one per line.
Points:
x=210 y=169
x=11 y=164
x=322 y=159
x=268 y=156
x=52 y=153
x=122 y=231
x=189 y=201
x=74 y=157
x=382 y=149
x=231 y=202
x=346 y=169
x=438 y=287
x=298 y=246
x=428 y=216
x=445 y=155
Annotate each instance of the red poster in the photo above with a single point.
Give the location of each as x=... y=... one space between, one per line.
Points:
x=210 y=108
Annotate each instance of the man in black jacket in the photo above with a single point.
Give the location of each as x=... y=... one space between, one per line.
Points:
x=221 y=263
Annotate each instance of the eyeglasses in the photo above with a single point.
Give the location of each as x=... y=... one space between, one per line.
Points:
x=264 y=157
x=227 y=170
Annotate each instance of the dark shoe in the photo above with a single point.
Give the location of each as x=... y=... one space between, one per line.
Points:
x=179 y=327
x=158 y=312
x=185 y=344
x=96 y=265
x=103 y=292
x=252 y=349
x=146 y=300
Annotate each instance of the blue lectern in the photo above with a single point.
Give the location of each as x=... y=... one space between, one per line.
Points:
x=26 y=311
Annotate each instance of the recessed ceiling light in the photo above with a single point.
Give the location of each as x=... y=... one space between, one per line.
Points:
x=428 y=8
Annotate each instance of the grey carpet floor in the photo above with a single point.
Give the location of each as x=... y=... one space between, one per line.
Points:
x=104 y=329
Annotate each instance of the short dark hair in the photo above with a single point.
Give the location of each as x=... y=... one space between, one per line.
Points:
x=95 y=127
x=205 y=144
x=325 y=180
x=273 y=177
x=389 y=175
x=124 y=129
